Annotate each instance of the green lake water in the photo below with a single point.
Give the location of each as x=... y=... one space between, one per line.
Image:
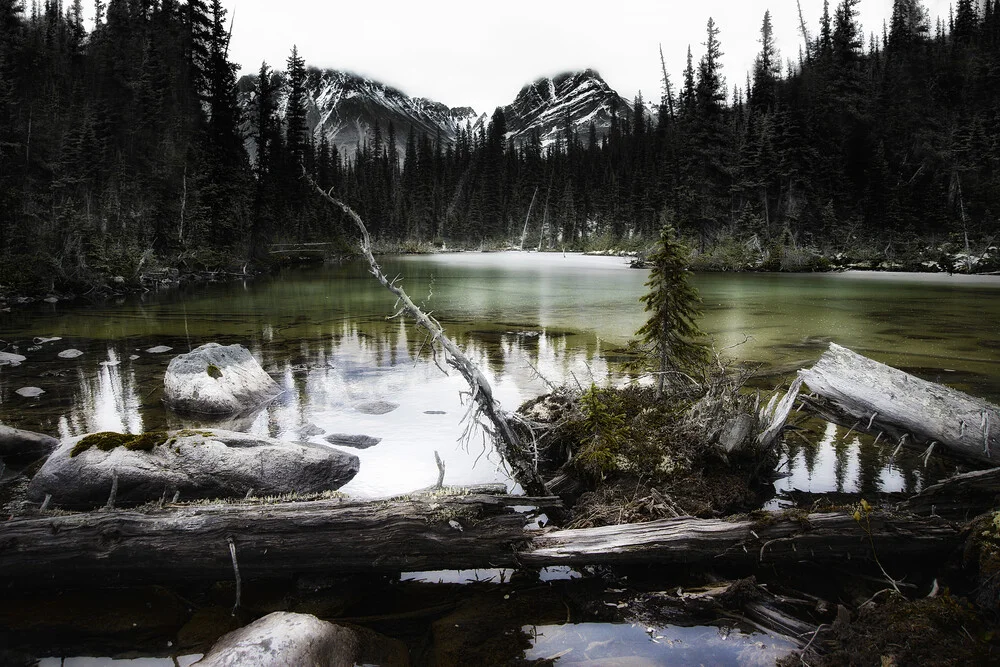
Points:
x=325 y=335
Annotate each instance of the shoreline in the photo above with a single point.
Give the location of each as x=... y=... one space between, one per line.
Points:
x=174 y=279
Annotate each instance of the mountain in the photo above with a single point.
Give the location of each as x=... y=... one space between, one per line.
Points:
x=346 y=107
x=583 y=97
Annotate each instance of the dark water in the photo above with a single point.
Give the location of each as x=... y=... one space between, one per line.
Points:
x=326 y=335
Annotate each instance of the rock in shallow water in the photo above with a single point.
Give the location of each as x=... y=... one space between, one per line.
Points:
x=11 y=359
x=283 y=638
x=217 y=380
x=349 y=440
x=309 y=430
x=198 y=464
x=30 y=392
x=17 y=446
x=376 y=407
x=70 y=354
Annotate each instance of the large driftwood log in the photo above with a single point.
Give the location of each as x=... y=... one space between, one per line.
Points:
x=321 y=536
x=881 y=398
x=817 y=538
x=428 y=533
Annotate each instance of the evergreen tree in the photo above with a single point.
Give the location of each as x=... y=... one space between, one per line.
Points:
x=766 y=69
x=295 y=112
x=688 y=91
x=670 y=335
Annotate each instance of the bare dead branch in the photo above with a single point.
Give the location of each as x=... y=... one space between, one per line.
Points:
x=505 y=439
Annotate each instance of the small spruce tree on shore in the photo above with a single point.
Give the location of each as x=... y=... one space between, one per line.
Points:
x=670 y=335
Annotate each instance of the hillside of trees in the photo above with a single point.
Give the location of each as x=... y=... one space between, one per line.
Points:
x=126 y=147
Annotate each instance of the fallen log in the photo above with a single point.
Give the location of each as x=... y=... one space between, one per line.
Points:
x=959 y=498
x=270 y=540
x=875 y=397
x=771 y=539
x=424 y=533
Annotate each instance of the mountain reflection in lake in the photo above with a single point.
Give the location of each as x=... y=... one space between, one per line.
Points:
x=324 y=335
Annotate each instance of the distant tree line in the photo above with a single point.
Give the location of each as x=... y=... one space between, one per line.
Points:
x=129 y=146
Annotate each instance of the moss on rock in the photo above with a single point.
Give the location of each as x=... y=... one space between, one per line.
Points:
x=108 y=440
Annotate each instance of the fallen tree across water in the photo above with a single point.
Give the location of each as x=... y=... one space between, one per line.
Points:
x=868 y=395
x=430 y=532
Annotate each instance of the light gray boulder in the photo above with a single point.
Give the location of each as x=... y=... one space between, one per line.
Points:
x=197 y=464
x=283 y=638
x=19 y=446
x=217 y=380
x=11 y=359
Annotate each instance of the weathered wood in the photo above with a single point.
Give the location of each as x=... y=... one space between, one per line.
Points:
x=881 y=398
x=960 y=497
x=425 y=533
x=816 y=538
x=322 y=536
x=776 y=414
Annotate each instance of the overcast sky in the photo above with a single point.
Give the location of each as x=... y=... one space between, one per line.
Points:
x=480 y=54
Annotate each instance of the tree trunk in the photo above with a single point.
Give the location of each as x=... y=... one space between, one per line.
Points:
x=431 y=532
x=876 y=397
x=960 y=497
x=775 y=538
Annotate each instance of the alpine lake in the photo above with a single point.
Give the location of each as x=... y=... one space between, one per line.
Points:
x=327 y=335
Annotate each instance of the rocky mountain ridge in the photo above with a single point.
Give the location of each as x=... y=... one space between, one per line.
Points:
x=346 y=108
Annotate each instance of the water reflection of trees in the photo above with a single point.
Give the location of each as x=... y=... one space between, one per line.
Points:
x=855 y=462
x=376 y=358
x=106 y=401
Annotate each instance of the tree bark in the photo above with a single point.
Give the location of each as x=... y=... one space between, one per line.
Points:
x=960 y=498
x=430 y=532
x=818 y=538
x=875 y=397
x=425 y=533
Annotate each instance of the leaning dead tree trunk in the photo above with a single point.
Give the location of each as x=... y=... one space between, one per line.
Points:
x=874 y=397
x=509 y=445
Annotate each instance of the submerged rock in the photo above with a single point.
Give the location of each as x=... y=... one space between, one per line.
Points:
x=309 y=430
x=30 y=392
x=17 y=446
x=197 y=464
x=378 y=407
x=11 y=359
x=159 y=349
x=349 y=440
x=70 y=354
x=217 y=380
x=283 y=638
